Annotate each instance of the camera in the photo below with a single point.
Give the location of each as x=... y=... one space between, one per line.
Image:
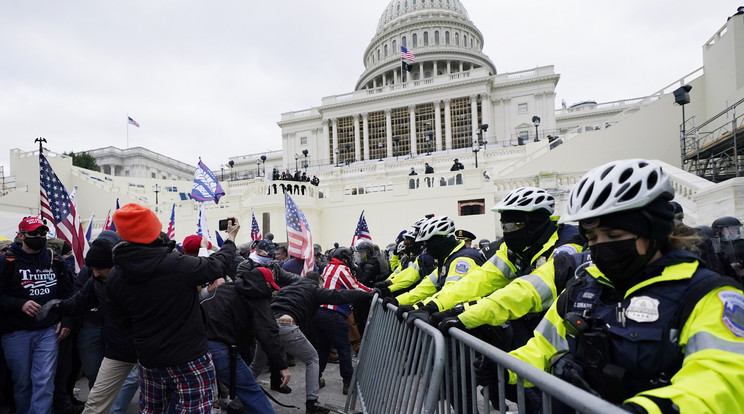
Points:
x=223 y=223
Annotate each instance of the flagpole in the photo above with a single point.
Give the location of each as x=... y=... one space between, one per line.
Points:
x=41 y=141
x=127 y=131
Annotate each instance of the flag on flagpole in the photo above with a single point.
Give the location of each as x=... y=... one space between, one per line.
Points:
x=362 y=231
x=133 y=122
x=406 y=54
x=108 y=223
x=58 y=208
x=172 y=224
x=202 y=228
x=218 y=238
x=299 y=239
x=90 y=228
x=255 y=231
x=206 y=187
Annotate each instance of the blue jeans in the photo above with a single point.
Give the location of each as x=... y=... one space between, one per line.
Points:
x=126 y=393
x=32 y=358
x=246 y=388
x=333 y=331
x=91 y=349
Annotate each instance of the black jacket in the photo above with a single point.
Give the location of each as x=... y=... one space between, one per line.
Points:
x=301 y=300
x=240 y=312
x=155 y=291
x=117 y=339
x=91 y=317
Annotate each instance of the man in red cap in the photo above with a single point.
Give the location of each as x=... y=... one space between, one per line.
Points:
x=31 y=274
x=153 y=290
x=191 y=246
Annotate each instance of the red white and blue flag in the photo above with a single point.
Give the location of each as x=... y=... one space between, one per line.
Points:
x=89 y=232
x=172 y=224
x=58 y=208
x=206 y=187
x=406 y=54
x=299 y=239
x=132 y=121
x=255 y=231
x=362 y=231
x=202 y=228
x=110 y=223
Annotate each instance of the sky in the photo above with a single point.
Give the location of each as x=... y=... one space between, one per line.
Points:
x=211 y=79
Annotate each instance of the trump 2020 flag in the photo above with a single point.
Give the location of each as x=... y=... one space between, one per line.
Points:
x=362 y=231
x=299 y=239
x=202 y=228
x=255 y=231
x=206 y=187
x=172 y=224
x=58 y=208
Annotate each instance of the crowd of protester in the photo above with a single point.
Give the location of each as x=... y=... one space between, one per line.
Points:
x=297 y=176
x=169 y=319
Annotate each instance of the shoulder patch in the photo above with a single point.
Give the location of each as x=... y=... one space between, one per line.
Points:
x=566 y=248
x=462 y=267
x=733 y=311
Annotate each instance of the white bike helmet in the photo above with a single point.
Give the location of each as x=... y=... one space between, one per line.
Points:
x=526 y=199
x=617 y=186
x=435 y=226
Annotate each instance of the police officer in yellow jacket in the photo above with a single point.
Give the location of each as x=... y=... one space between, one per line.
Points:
x=643 y=324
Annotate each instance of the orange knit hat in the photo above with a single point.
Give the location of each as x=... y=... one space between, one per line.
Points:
x=137 y=224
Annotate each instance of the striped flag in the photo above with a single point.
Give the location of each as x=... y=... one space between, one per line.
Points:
x=202 y=228
x=133 y=122
x=206 y=187
x=90 y=228
x=299 y=239
x=406 y=54
x=172 y=224
x=109 y=223
x=362 y=231
x=58 y=208
x=255 y=231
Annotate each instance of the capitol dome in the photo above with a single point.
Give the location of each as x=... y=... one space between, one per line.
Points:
x=438 y=32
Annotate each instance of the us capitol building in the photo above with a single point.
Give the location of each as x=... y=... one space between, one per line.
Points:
x=451 y=102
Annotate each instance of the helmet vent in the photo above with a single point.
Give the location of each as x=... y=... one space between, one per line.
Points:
x=653 y=178
x=607 y=171
x=625 y=175
x=602 y=197
x=587 y=194
x=631 y=193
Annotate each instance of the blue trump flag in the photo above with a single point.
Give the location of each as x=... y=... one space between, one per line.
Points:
x=206 y=187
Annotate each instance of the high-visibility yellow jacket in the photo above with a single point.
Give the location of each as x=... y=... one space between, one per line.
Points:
x=710 y=343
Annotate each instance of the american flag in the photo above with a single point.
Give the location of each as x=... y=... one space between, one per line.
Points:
x=58 y=208
x=362 y=231
x=133 y=122
x=172 y=224
x=255 y=231
x=405 y=54
x=299 y=239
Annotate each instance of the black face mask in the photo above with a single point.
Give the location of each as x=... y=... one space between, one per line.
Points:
x=439 y=247
x=35 y=243
x=518 y=240
x=620 y=261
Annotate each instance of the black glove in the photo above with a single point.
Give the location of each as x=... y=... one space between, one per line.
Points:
x=384 y=291
x=450 y=322
x=487 y=373
x=633 y=408
x=423 y=313
x=401 y=310
x=389 y=300
x=383 y=284
x=52 y=305
x=438 y=317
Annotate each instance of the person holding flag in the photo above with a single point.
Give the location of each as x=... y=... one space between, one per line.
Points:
x=362 y=231
x=255 y=231
x=299 y=239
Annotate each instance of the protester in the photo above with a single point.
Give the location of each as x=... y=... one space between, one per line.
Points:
x=428 y=169
x=457 y=165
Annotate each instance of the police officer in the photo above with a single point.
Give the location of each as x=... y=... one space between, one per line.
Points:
x=466 y=236
x=415 y=263
x=643 y=324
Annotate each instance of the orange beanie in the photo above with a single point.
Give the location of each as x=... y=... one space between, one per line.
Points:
x=137 y=224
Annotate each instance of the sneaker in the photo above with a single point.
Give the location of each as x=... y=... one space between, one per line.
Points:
x=346 y=389
x=282 y=389
x=312 y=407
x=321 y=383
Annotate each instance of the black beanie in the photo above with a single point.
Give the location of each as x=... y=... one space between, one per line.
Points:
x=99 y=255
x=654 y=220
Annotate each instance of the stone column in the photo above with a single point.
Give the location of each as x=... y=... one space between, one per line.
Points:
x=438 y=125
x=326 y=144
x=412 y=123
x=435 y=69
x=365 y=132
x=335 y=140
x=357 y=147
x=447 y=125
x=389 y=131
x=473 y=117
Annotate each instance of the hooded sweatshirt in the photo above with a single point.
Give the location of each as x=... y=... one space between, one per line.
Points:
x=154 y=290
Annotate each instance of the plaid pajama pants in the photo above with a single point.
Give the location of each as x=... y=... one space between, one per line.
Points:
x=188 y=387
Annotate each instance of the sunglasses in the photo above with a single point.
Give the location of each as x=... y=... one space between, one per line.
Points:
x=36 y=233
x=510 y=227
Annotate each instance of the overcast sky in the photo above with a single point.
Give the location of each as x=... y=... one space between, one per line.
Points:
x=212 y=78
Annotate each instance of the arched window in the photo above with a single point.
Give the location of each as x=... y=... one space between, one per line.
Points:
x=395 y=46
x=386 y=51
x=426 y=38
x=446 y=38
x=415 y=40
x=457 y=39
x=403 y=42
x=436 y=37
x=465 y=40
x=378 y=54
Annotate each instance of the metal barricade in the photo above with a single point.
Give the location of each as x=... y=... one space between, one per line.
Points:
x=404 y=369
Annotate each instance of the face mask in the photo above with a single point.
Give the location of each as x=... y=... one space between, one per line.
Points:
x=35 y=243
x=619 y=261
x=262 y=260
x=438 y=247
x=518 y=240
